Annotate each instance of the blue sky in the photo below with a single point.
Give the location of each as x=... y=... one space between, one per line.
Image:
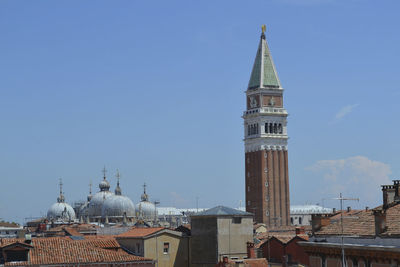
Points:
x=156 y=89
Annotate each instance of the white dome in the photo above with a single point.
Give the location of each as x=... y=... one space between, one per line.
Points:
x=97 y=201
x=146 y=209
x=117 y=206
x=84 y=209
x=61 y=210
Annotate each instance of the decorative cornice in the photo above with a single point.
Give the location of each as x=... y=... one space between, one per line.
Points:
x=268 y=91
x=265 y=111
x=257 y=144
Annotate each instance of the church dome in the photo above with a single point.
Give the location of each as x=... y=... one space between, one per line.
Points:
x=61 y=211
x=118 y=206
x=146 y=209
x=104 y=185
x=97 y=201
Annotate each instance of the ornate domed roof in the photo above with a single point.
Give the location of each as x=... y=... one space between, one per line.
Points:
x=61 y=210
x=84 y=209
x=118 y=206
x=97 y=201
x=104 y=185
x=145 y=208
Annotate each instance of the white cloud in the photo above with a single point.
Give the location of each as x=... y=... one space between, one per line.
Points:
x=344 y=111
x=357 y=177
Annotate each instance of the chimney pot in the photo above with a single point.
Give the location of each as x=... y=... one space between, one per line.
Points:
x=250 y=250
x=334 y=210
x=28 y=238
x=299 y=230
x=348 y=209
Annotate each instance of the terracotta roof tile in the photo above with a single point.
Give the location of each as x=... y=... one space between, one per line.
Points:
x=64 y=250
x=392 y=221
x=140 y=232
x=284 y=238
x=355 y=223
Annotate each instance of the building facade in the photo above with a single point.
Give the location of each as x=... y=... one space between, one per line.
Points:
x=217 y=233
x=265 y=138
x=166 y=247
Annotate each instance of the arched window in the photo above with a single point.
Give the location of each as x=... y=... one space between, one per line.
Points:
x=271 y=130
x=300 y=220
x=257 y=128
x=291 y=220
x=266 y=127
x=275 y=128
x=280 y=128
x=248 y=130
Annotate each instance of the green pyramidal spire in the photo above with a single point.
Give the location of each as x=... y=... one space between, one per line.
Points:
x=263 y=74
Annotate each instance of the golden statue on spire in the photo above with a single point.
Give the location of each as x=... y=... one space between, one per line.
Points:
x=263 y=28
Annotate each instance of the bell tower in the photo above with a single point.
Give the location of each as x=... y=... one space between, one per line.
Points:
x=265 y=139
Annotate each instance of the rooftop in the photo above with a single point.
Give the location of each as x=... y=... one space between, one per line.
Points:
x=64 y=250
x=223 y=211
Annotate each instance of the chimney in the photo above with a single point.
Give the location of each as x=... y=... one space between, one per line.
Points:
x=390 y=193
x=28 y=238
x=250 y=250
x=300 y=231
x=225 y=259
x=348 y=209
x=366 y=208
x=319 y=221
x=334 y=210
x=396 y=186
x=380 y=221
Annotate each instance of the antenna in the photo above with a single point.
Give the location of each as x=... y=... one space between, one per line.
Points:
x=341 y=198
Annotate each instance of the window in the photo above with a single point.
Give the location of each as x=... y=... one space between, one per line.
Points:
x=166 y=248
x=248 y=202
x=248 y=188
x=237 y=220
x=355 y=262
x=266 y=198
x=323 y=261
x=291 y=220
x=300 y=220
x=266 y=184
x=16 y=255
x=267 y=213
x=138 y=248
